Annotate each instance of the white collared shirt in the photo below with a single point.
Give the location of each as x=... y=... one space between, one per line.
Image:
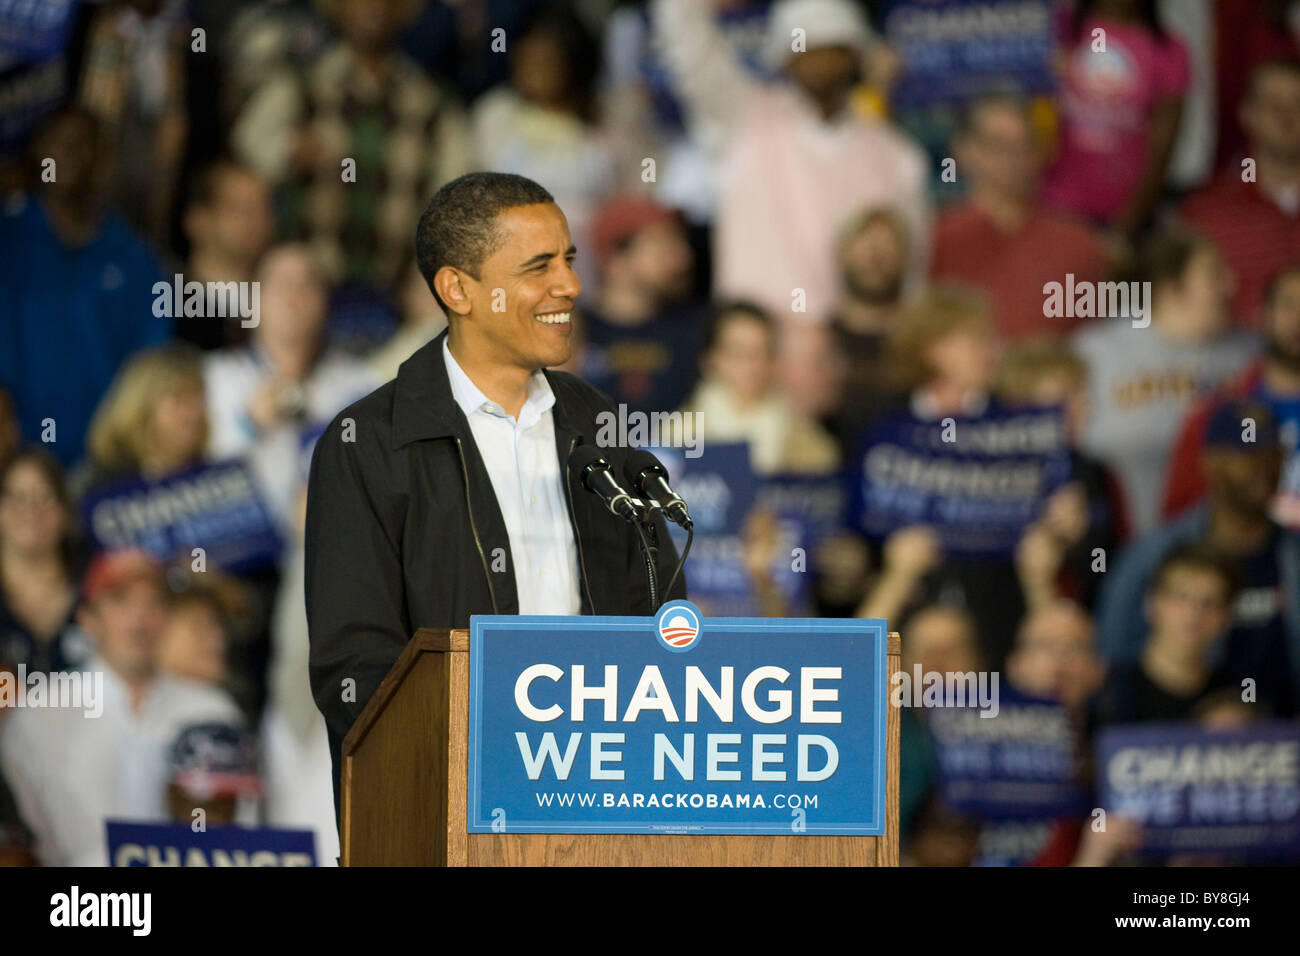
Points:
x=522 y=463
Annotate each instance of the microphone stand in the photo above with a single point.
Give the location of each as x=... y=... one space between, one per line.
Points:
x=649 y=541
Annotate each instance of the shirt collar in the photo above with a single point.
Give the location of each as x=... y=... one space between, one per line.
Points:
x=471 y=399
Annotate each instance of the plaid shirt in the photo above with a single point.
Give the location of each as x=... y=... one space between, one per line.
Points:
x=405 y=133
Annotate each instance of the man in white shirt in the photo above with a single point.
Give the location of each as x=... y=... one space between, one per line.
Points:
x=519 y=452
x=73 y=769
x=446 y=492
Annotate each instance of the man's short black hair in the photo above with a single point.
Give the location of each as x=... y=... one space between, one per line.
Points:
x=458 y=227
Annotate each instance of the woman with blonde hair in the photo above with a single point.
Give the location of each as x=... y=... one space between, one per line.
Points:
x=153 y=421
x=941 y=357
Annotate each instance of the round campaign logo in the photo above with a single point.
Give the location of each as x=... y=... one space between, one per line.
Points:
x=678 y=626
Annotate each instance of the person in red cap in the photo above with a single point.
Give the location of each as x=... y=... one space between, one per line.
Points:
x=642 y=330
x=69 y=773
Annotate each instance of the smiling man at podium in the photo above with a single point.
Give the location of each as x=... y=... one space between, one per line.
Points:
x=447 y=491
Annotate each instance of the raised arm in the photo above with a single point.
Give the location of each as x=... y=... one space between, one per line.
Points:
x=712 y=84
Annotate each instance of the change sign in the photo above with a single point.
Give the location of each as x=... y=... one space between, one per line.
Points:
x=952 y=49
x=1020 y=762
x=978 y=481
x=175 y=844
x=1220 y=793
x=217 y=507
x=676 y=724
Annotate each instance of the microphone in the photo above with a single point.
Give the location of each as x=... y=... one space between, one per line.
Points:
x=594 y=473
x=647 y=476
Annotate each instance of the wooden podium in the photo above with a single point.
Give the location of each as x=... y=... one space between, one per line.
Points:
x=405 y=783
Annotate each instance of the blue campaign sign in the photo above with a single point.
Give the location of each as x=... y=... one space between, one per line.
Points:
x=175 y=844
x=217 y=507
x=719 y=486
x=1018 y=762
x=818 y=503
x=1203 y=792
x=955 y=49
x=978 y=481
x=676 y=723
x=34 y=31
x=722 y=491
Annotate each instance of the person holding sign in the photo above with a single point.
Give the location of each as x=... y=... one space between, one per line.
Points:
x=447 y=492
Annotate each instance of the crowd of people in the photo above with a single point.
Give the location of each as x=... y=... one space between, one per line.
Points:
x=762 y=239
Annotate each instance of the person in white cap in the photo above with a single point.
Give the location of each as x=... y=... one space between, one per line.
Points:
x=796 y=159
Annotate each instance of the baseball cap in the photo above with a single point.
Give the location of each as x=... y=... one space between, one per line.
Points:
x=110 y=570
x=1228 y=422
x=623 y=217
x=214 y=759
x=823 y=22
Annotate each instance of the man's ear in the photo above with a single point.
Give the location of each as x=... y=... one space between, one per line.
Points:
x=452 y=286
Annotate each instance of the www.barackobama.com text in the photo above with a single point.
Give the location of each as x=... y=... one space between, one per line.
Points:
x=676 y=800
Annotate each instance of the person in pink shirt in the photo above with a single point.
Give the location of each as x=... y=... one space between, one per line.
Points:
x=795 y=159
x=1122 y=90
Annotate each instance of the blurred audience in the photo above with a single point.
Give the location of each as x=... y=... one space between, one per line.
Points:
x=212 y=767
x=642 y=330
x=1059 y=551
x=1124 y=77
x=940 y=640
x=71 y=772
x=9 y=433
x=358 y=142
x=229 y=222
x=542 y=124
x=133 y=79
x=1253 y=209
x=1146 y=374
x=874 y=251
x=268 y=399
x=205 y=610
x=1188 y=608
x=794 y=159
x=153 y=422
x=941 y=358
x=39 y=566
x=1274 y=379
x=1000 y=239
x=73 y=273
x=422 y=319
x=1247 y=34
x=643 y=110
x=1241 y=461
x=736 y=400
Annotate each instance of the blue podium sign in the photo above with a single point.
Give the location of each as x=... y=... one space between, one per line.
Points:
x=677 y=724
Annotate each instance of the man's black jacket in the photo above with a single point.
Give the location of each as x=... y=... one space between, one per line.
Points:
x=404 y=531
